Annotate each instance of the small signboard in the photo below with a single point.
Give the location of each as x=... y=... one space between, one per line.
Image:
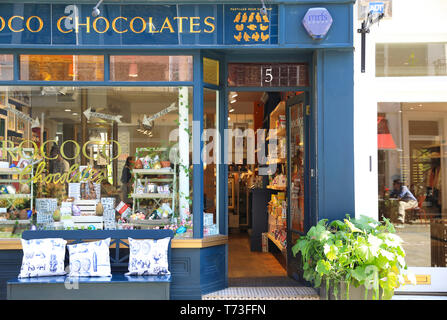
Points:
x=317 y=22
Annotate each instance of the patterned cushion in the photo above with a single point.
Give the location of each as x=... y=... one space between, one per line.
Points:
x=148 y=257
x=90 y=259
x=43 y=257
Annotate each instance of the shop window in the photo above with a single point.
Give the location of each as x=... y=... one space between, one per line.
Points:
x=412 y=149
x=95 y=158
x=411 y=59
x=210 y=158
x=151 y=68
x=6 y=67
x=62 y=67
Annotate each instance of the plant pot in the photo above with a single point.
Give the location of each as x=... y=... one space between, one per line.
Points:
x=165 y=164
x=23 y=214
x=354 y=293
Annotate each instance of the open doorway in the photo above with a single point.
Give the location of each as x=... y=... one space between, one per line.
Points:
x=259 y=186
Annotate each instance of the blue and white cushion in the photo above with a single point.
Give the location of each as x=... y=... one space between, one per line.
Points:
x=148 y=257
x=90 y=259
x=43 y=257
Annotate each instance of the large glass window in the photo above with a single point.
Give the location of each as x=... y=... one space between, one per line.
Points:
x=151 y=68
x=95 y=157
x=411 y=59
x=62 y=67
x=210 y=159
x=6 y=67
x=412 y=180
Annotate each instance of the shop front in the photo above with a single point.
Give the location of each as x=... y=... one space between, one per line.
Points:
x=150 y=116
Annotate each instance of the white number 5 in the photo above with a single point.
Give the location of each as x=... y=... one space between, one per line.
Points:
x=268 y=73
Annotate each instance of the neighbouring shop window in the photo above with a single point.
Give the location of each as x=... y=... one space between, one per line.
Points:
x=412 y=149
x=211 y=185
x=62 y=67
x=95 y=158
x=411 y=59
x=6 y=67
x=151 y=68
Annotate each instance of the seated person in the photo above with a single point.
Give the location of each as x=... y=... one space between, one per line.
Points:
x=405 y=197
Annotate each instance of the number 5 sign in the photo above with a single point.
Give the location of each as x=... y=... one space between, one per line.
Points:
x=267 y=75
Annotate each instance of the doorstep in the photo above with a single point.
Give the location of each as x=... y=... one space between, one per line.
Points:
x=263 y=293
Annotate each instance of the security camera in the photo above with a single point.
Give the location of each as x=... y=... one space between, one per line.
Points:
x=96 y=12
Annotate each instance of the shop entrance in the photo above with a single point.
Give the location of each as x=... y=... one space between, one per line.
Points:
x=266 y=185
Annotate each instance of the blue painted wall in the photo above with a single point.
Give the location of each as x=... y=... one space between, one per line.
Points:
x=334 y=99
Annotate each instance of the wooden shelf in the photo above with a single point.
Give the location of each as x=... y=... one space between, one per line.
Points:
x=277 y=188
x=280 y=133
x=157 y=222
x=276 y=242
x=276 y=161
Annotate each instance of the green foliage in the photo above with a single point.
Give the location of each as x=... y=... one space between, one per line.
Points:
x=359 y=251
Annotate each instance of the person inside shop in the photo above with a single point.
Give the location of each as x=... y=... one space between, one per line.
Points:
x=126 y=177
x=406 y=200
x=58 y=165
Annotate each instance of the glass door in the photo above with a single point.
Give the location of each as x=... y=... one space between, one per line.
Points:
x=297 y=185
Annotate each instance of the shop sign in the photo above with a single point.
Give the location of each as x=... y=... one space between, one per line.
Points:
x=69 y=24
x=74 y=174
x=377 y=7
x=317 y=22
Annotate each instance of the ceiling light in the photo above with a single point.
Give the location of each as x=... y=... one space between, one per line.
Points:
x=68 y=110
x=233 y=94
x=233 y=101
x=75 y=113
x=133 y=70
x=419 y=105
x=229 y=119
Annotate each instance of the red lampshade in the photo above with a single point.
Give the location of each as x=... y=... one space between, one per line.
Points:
x=385 y=140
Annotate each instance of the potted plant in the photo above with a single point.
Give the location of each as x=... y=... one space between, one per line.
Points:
x=354 y=259
x=165 y=157
x=22 y=206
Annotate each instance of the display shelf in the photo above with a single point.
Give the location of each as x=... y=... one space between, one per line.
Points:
x=6 y=171
x=151 y=195
x=280 y=133
x=16 y=196
x=276 y=161
x=156 y=222
x=13 y=222
x=276 y=242
x=158 y=173
x=153 y=171
x=277 y=188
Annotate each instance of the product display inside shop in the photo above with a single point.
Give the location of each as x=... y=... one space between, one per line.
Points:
x=75 y=158
x=266 y=184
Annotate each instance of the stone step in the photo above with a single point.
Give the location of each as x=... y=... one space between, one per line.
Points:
x=263 y=293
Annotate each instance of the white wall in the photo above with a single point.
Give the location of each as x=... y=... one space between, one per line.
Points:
x=412 y=21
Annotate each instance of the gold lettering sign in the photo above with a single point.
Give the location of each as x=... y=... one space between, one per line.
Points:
x=136 y=25
x=74 y=174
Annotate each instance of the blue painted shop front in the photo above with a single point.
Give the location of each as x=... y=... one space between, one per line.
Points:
x=205 y=30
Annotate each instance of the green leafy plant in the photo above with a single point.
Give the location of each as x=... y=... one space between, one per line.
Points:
x=355 y=252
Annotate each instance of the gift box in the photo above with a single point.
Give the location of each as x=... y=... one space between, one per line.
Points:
x=208 y=219
x=210 y=230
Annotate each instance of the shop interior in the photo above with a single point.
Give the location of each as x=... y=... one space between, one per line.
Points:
x=257 y=186
x=70 y=146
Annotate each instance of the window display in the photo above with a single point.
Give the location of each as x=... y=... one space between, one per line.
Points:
x=79 y=162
